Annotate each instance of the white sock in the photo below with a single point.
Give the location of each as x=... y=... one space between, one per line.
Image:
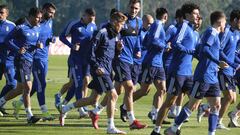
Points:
x=68 y=107
x=81 y=110
x=2 y=101
x=29 y=112
x=211 y=133
x=111 y=123
x=59 y=94
x=98 y=109
x=43 y=108
x=131 y=117
x=124 y=107
x=65 y=102
x=178 y=110
x=157 y=129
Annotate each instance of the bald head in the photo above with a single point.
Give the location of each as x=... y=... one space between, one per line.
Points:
x=147 y=21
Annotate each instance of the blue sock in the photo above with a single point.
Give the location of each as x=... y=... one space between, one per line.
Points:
x=184 y=114
x=212 y=122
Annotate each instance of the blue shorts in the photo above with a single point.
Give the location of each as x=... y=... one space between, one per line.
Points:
x=101 y=84
x=1 y=70
x=150 y=74
x=201 y=90
x=86 y=70
x=226 y=82
x=179 y=84
x=123 y=71
x=136 y=73
x=23 y=70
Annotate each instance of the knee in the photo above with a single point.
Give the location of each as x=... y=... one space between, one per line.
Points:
x=114 y=96
x=129 y=89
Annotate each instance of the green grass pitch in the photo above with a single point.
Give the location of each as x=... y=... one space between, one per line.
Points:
x=57 y=75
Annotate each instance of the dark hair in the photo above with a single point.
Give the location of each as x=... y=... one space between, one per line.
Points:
x=235 y=14
x=34 y=11
x=3 y=7
x=113 y=11
x=178 y=13
x=160 y=12
x=90 y=11
x=215 y=16
x=134 y=1
x=188 y=8
x=20 y=21
x=48 y=5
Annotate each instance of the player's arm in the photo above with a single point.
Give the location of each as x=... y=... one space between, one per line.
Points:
x=66 y=32
x=158 y=41
x=96 y=42
x=225 y=58
x=11 y=40
x=181 y=35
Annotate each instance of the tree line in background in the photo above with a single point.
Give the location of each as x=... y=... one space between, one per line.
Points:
x=71 y=9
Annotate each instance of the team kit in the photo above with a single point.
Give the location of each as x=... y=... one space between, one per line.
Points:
x=120 y=54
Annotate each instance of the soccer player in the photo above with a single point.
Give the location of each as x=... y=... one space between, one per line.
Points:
x=124 y=63
x=147 y=21
x=6 y=61
x=205 y=76
x=180 y=69
x=229 y=39
x=153 y=71
x=171 y=33
x=40 y=62
x=23 y=40
x=106 y=42
x=81 y=32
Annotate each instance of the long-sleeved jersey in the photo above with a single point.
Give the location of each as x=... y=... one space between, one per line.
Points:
x=171 y=33
x=104 y=49
x=183 y=50
x=6 y=27
x=155 y=44
x=45 y=37
x=229 y=39
x=207 y=67
x=80 y=34
x=26 y=36
x=129 y=35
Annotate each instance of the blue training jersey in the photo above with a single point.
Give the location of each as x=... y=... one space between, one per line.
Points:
x=207 y=67
x=170 y=35
x=26 y=36
x=183 y=50
x=80 y=33
x=46 y=35
x=229 y=39
x=155 y=44
x=6 y=27
x=129 y=35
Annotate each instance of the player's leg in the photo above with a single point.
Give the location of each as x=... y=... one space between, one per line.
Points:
x=227 y=86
